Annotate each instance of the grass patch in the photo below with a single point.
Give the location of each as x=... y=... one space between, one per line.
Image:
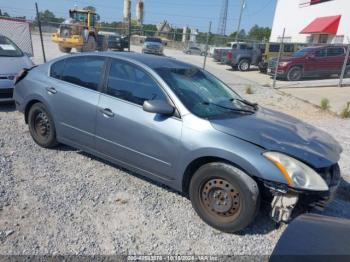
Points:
x=346 y=111
x=324 y=104
x=249 y=90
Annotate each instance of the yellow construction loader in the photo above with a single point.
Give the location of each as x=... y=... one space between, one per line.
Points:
x=80 y=31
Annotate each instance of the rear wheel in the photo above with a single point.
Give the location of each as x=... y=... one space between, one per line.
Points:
x=102 y=43
x=224 y=196
x=244 y=65
x=90 y=44
x=64 y=49
x=294 y=74
x=41 y=126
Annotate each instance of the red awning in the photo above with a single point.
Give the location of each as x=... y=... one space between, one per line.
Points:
x=323 y=25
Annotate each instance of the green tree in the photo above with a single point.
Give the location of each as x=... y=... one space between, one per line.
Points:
x=149 y=29
x=242 y=36
x=90 y=7
x=48 y=18
x=259 y=33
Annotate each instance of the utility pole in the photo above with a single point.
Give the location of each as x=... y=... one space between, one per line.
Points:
x=206 y=46
x=40 y=32
x=240 y=19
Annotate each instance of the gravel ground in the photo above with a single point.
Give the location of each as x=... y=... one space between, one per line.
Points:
x=64 y=201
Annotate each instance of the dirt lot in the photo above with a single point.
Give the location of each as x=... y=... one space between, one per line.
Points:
x=64 y=201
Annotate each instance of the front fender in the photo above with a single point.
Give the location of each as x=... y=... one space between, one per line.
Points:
x=244 y=155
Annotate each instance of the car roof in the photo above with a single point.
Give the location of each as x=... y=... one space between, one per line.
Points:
x=151 y=61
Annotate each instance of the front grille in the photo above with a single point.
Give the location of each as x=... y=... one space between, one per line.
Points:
x=6 y=93
x=332 y=177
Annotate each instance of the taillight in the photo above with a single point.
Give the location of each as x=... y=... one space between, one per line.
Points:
x=229 y=55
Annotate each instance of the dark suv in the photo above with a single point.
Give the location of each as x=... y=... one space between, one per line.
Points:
x=242 y=56
x=311 y=61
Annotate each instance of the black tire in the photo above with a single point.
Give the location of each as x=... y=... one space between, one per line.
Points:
x=244 y=65
x=224 y=196
x=90 y=44
x=41 y=126
x=102 y=43
x=65 y=49
x=295 y=73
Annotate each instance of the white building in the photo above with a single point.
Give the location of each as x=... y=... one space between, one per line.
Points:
x=312 y=21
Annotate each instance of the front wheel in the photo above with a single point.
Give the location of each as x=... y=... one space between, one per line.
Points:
x=41 y=126
x=224 y=196
x=90 y=44
x=244 y=65
x=294 y=74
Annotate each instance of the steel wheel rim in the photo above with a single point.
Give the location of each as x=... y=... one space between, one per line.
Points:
x=42 y=125
x=295 y=74
x=220 y=199
x=244 y=66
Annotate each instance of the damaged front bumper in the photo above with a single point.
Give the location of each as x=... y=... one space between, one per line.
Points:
x=286 y=199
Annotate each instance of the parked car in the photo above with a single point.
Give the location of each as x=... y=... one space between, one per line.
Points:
x=244 y=55
x=193 y=50
x=272 y=51
x=311 y=61
x=118 y=42
x=153 y=45
x=12 y=61
x=179 y=125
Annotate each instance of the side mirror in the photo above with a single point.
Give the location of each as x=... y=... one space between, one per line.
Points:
x=141 y=41
x=158 y=107
x=165 y=43
x=310 y=56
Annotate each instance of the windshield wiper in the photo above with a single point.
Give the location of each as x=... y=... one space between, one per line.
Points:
x=230 y=108
x=246 y=102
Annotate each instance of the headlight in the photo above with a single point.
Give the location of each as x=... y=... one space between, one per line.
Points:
x=297 y=174
x=282 y=64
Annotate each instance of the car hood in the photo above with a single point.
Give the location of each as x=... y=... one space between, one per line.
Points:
x=154 y=44
x=288 y=58
x=276 y=131
x=12 y=65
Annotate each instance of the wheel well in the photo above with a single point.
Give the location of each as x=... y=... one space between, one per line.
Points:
x=300 y=66
x=196 y=164
x=245 y=58
x=28 y=106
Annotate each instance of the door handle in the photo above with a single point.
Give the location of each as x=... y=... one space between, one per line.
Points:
x=107 y=112
x=51 y=90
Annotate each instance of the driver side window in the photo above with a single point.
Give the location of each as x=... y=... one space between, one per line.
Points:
x=129 y=82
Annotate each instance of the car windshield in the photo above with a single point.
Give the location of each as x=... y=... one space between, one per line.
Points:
x=301 y=52
x=150 y=39
x=8 y=48
x=203 y=94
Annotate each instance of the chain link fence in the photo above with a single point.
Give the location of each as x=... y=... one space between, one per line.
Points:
x=19 y=32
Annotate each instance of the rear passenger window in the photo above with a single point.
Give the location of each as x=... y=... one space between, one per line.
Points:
x=335 y=51
x=130 y=83
x=84 y=71
x=320 y=53
x=57 y=69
